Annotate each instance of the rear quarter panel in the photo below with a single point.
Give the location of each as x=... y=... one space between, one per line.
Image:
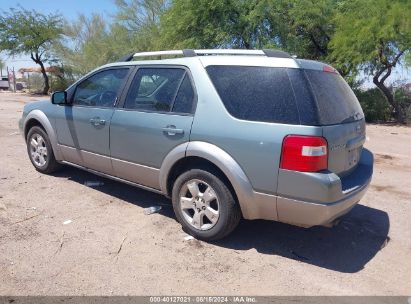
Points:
x=255 y=146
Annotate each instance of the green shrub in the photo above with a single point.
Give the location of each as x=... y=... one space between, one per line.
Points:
x=374 y=105
x=60 y=83
x=403 y=96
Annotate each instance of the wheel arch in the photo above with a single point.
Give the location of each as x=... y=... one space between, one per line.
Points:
x=186 y=163
x=33 y=122
x=38 y=118
x=200 y=154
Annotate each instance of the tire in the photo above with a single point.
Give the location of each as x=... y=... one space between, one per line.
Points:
x=40 y=151
x=208 y=218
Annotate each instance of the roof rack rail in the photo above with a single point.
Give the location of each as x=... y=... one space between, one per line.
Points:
x=276 y=53
x=205 y=52
x=127 y=57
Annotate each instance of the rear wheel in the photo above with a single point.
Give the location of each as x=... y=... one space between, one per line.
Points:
x=40 y=151
x=204 y=205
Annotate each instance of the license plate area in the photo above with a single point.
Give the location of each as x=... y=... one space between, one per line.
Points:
x=353 y=157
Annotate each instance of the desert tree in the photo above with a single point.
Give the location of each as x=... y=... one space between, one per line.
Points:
x=375 y=35
x=31 y=33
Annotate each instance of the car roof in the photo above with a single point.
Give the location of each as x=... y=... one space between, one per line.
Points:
x=239 y=57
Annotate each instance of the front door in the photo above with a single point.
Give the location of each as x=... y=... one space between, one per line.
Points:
x=83 y=127
x=156 y=116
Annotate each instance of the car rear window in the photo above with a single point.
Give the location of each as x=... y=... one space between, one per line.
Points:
x=256 y=93
x=285 y=95
x=336 y=102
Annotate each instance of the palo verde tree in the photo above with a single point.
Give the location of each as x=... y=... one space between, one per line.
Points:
x=243 y=24
x=376 y=36
x=141 y=20
x=32 y=33
x=90 y=41
x=84 y=45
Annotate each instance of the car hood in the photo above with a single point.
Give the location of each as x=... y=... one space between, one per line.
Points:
x=36 y=105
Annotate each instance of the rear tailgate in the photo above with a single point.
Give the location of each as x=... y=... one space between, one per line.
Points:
x=345 y=143
x=341 y=117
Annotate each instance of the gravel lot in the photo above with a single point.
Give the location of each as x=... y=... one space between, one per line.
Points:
x=112 y=248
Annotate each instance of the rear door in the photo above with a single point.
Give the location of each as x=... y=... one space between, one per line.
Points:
x=156 y=116
x=341 y=116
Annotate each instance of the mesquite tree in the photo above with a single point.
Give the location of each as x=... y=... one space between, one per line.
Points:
x=31 y=33
x=375 y=35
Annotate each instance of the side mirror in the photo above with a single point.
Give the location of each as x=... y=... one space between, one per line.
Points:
x=59 y=98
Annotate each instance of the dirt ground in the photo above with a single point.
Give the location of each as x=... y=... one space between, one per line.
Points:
x=111 y=247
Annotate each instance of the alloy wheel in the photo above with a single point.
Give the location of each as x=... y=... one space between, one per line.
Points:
x=38 y=150
x=199 y=204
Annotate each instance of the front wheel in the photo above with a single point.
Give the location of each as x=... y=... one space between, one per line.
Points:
x=204 y=205
x=40 y=151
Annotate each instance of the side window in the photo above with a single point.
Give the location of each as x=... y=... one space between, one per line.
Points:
x=185 y=97
x=256 y=93
x=149 y=84
x=101 y=89
x=156 y=89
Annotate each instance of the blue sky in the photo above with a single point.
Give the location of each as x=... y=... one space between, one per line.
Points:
x=70 y=9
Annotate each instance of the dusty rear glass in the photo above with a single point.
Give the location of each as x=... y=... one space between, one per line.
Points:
x=336 y=101
x=285 y=95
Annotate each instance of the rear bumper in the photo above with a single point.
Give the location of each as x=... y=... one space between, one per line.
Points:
x=306 y=214
x=328 y=196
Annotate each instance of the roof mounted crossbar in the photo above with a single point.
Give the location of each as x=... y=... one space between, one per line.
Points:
x=193 y=53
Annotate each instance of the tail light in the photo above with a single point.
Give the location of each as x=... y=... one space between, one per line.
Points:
x=304 y=153
x=329 y=69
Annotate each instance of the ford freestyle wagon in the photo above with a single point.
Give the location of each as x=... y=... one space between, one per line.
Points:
x=225 y=134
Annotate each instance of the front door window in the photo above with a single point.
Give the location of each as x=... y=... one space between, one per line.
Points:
x=101 y=89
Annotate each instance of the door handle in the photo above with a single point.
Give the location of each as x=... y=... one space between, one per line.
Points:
x=172 y=130
x=96 y=121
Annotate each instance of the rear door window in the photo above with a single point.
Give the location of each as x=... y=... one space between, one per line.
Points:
x=184 y=102
x=336 y=101
x=256 y=93
x=161 y=90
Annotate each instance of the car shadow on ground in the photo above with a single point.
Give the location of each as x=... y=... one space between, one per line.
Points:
x=347 y=247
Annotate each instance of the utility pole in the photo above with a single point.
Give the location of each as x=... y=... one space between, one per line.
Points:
x=14 y=81
x=8 y=76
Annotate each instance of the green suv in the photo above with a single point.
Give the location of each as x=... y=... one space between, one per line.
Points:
x=225 y=134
